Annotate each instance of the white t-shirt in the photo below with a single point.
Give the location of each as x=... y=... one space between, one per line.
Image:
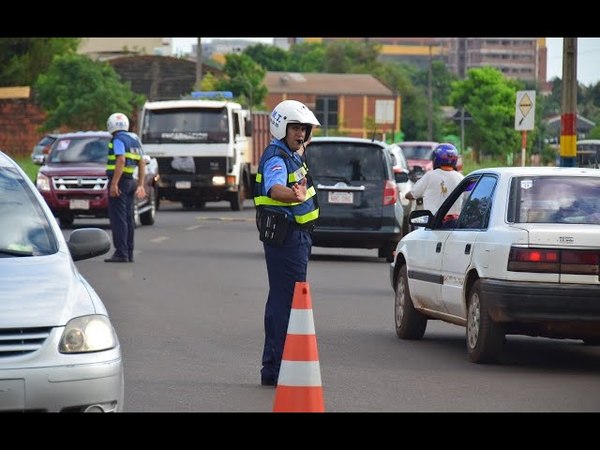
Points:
x=435 y=186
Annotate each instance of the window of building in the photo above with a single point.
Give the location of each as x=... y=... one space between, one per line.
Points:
x=326 y=110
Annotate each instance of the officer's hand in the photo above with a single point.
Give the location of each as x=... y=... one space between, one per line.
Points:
x=140 y=192
x=114 y=190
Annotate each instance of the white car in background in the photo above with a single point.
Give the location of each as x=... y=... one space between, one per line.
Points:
x=521 y=258
x=403 y=181
x=58 y=349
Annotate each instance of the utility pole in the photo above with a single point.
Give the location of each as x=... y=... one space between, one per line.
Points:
x=430 y=98
x=198 y=63
x=568 y=121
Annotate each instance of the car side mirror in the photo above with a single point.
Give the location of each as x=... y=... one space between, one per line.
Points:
x=401 y=177
x=421 y=218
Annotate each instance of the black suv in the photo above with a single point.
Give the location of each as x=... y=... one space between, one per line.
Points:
x=357 y=194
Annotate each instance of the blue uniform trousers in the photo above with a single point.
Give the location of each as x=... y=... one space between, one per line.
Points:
x=120 y=213
x=285 y=266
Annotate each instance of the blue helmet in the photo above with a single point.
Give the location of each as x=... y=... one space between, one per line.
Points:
x=445 y=155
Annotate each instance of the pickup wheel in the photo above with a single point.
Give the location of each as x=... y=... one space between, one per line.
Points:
x=410 y=323
x=485 y=338
x=147 y=217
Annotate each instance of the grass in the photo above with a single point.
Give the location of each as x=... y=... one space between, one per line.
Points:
x=30 y=168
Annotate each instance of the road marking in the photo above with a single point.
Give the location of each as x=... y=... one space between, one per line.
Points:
x=160 y=239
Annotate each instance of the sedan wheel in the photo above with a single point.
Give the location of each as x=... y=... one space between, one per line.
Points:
x=485 y=338
x=410 y=323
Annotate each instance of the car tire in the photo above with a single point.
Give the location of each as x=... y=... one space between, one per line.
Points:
x=387 y=252
x=410 y=323
x=66 y=219
x=485 y=338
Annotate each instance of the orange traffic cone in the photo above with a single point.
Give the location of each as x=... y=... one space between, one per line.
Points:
x=299 y=386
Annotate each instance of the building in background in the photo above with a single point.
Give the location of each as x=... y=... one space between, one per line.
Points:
x=355 y=105
x=518 y=58
x=112 y=47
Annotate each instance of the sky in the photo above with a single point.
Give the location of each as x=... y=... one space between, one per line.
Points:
x=588 y=56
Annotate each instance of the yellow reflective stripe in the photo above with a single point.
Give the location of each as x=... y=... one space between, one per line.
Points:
x=259 y=177
x=128 y=169
x=264 y=200
x=133 y=156
x=308 y=217
x=112 y=158
x=110 y=167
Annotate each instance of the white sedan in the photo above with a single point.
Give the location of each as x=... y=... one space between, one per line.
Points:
x=522 y=258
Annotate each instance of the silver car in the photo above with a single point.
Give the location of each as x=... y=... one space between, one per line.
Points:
x=58 y=349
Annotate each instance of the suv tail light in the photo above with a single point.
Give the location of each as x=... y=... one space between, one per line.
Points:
x=390 y=193
x=577 y=262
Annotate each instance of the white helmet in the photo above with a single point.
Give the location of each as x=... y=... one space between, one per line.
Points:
x=291 y=111
x=117 y=122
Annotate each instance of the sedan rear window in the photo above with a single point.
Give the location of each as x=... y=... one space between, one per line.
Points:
x=550 y=199
x=346 y=161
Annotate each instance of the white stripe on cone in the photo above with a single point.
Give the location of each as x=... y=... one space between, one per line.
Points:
x=299 y=373
x=301 y=322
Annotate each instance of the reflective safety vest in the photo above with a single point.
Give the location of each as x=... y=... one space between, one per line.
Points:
x=133 y=153
x=304 y=212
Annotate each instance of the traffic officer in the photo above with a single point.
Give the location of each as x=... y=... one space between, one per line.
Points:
x=286 y=205
x=124 y=156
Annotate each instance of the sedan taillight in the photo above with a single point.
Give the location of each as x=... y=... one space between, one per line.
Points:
x=577 y=262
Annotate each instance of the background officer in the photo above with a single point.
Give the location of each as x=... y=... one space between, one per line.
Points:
x=124 y=156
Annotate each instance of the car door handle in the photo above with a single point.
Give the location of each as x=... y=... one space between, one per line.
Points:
x=438 y=247
x=467 y=249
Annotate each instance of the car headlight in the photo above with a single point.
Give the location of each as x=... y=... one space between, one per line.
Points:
x=43 y=182
x=88 y=334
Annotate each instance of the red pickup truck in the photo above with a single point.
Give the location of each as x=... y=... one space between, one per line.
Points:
x=74 y=184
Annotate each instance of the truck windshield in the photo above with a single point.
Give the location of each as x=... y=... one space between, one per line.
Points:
x=185 y=126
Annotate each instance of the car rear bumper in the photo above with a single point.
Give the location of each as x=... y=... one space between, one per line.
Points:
x=355 y=238
x=511 y=301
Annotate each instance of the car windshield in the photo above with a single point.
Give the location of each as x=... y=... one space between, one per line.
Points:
x=417 y=151
x=345 y=161
x=24 y=228
x=555 y=199
x=78 y=150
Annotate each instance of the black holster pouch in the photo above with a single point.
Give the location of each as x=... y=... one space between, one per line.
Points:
x=272 y=226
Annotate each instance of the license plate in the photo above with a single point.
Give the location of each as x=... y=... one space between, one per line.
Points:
x=183 y=185
x=341 y=197
x=79 y=204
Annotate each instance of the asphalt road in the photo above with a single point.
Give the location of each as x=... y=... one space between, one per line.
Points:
x=189 y=315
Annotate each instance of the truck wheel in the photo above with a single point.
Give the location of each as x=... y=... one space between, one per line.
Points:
x=237 y=201
x=485 y=338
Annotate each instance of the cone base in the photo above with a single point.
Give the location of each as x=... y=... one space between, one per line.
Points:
x=298 y=399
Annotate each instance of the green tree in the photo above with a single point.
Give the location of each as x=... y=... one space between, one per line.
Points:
x=244 y=77
x=80 y=94
x=270 y=57
x=23 y=59
x=306 y=57
x=351 y=57
x=490 y=99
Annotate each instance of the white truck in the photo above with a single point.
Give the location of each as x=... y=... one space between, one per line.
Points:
x=203 y=148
